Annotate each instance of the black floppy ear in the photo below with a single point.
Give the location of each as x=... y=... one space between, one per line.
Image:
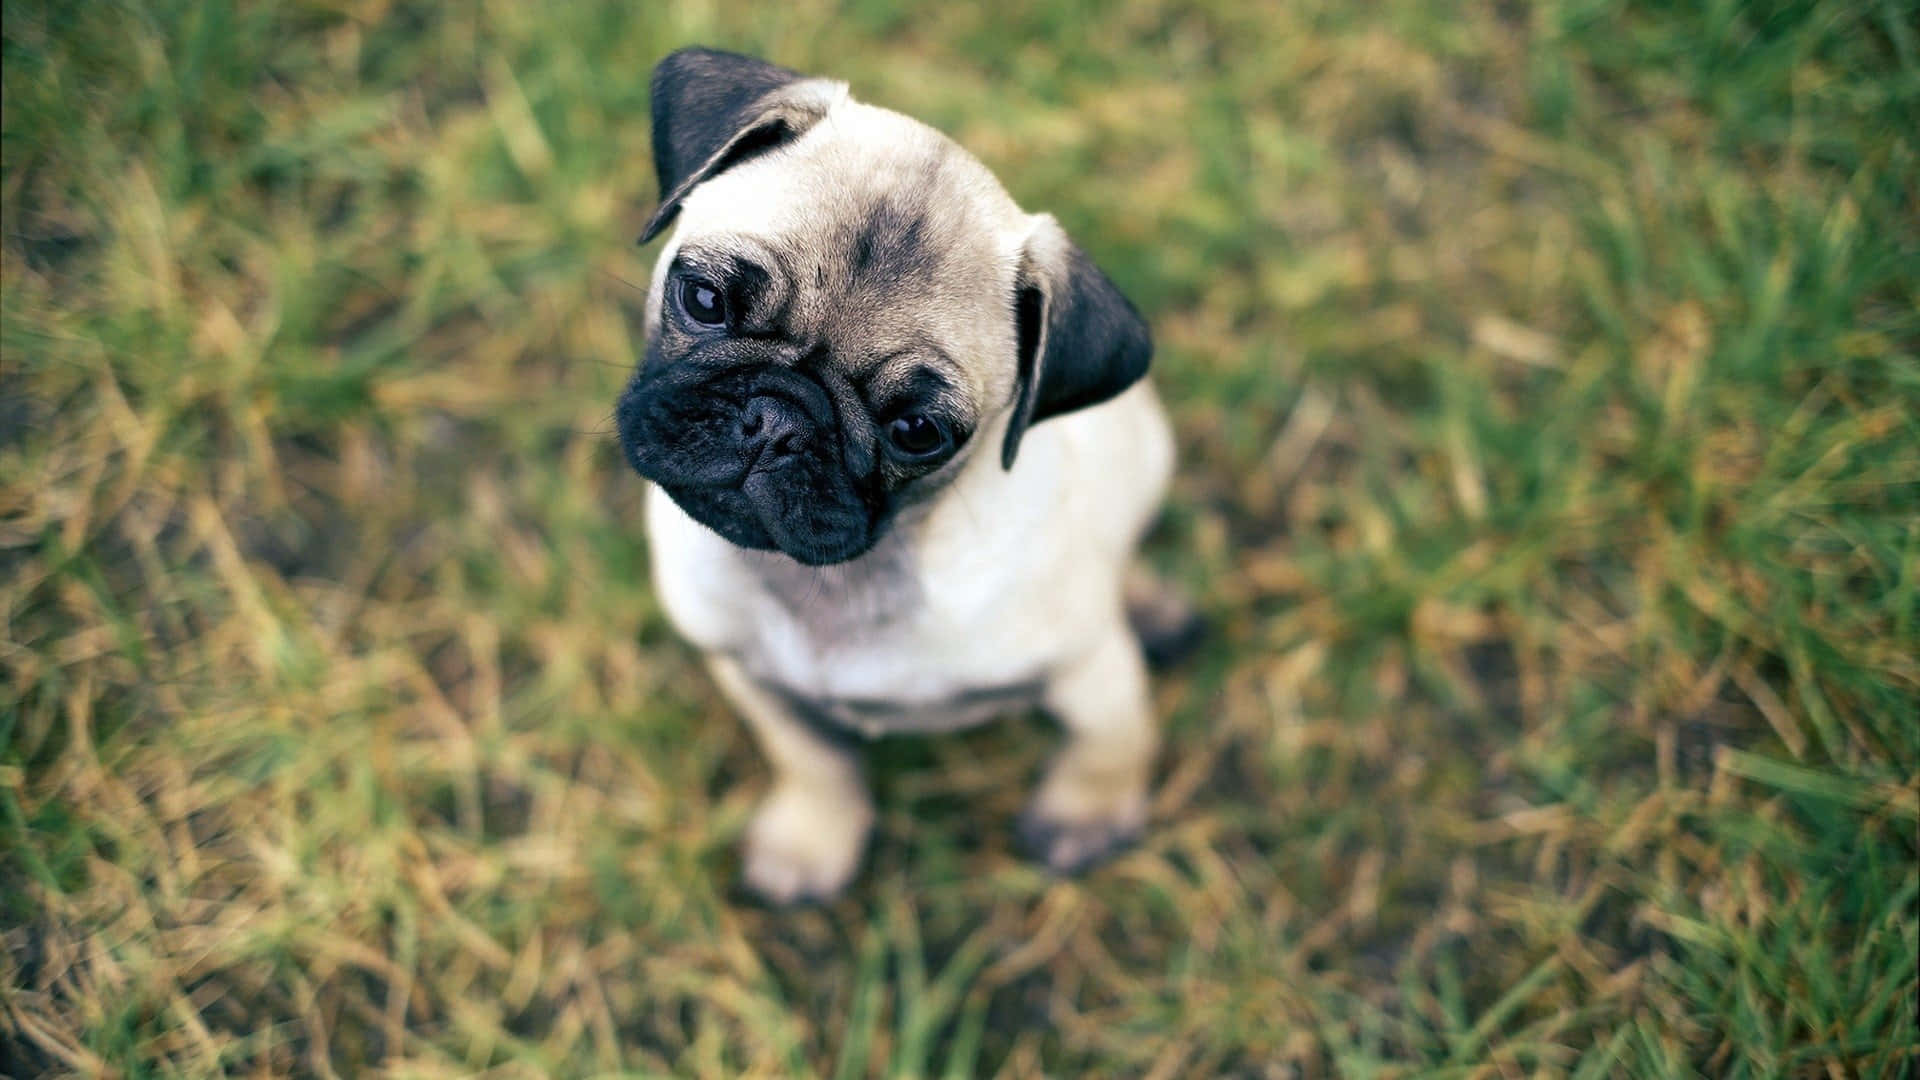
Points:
x=1080 y=341
x=713 y=110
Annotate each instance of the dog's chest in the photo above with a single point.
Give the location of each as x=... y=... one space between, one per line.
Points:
x=881 y=652
x=813 y=610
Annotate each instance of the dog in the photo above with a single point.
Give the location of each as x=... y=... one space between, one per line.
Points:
x=902 y=453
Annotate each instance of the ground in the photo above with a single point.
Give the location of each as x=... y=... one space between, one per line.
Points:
x=1547 y=387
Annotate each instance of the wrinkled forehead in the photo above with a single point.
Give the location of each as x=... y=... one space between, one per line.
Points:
x=889 y=238
x=857 y=162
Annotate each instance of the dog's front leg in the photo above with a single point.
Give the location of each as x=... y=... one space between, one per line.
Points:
x=806 y=839
x=1093 y=799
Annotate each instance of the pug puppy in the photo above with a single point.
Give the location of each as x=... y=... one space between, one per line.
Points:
x=901 y=453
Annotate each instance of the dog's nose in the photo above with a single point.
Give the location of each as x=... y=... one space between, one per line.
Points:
x=771 y=429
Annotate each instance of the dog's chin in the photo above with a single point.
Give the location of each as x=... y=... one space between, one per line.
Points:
x=753 y=517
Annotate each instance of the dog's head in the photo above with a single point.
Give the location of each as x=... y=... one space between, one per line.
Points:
x=850 y=306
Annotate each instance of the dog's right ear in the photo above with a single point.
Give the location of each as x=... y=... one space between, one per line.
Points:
x=1079 y=340
x=713 y=110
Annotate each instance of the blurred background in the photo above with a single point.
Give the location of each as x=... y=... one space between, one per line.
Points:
x=1546 y=381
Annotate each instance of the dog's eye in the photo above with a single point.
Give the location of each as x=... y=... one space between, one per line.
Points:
x=703 y=302
x=917 y=435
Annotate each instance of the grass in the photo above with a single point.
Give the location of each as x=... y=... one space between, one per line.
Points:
x=1548 y=382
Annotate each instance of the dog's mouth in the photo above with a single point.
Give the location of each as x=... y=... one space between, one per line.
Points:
x=762 y=514
x=758 y=461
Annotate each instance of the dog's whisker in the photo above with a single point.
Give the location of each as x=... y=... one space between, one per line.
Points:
x=641 y=289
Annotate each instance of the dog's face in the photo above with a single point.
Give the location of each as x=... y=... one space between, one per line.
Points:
x=849 y=304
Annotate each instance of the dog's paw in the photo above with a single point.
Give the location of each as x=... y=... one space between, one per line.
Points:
x=804 y=845
x=1069 y=843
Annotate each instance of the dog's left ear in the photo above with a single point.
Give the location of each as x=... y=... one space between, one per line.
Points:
x=1080 y=341
x=713 y=110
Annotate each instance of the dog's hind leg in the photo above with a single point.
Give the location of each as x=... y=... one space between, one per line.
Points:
x=1163 y=617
